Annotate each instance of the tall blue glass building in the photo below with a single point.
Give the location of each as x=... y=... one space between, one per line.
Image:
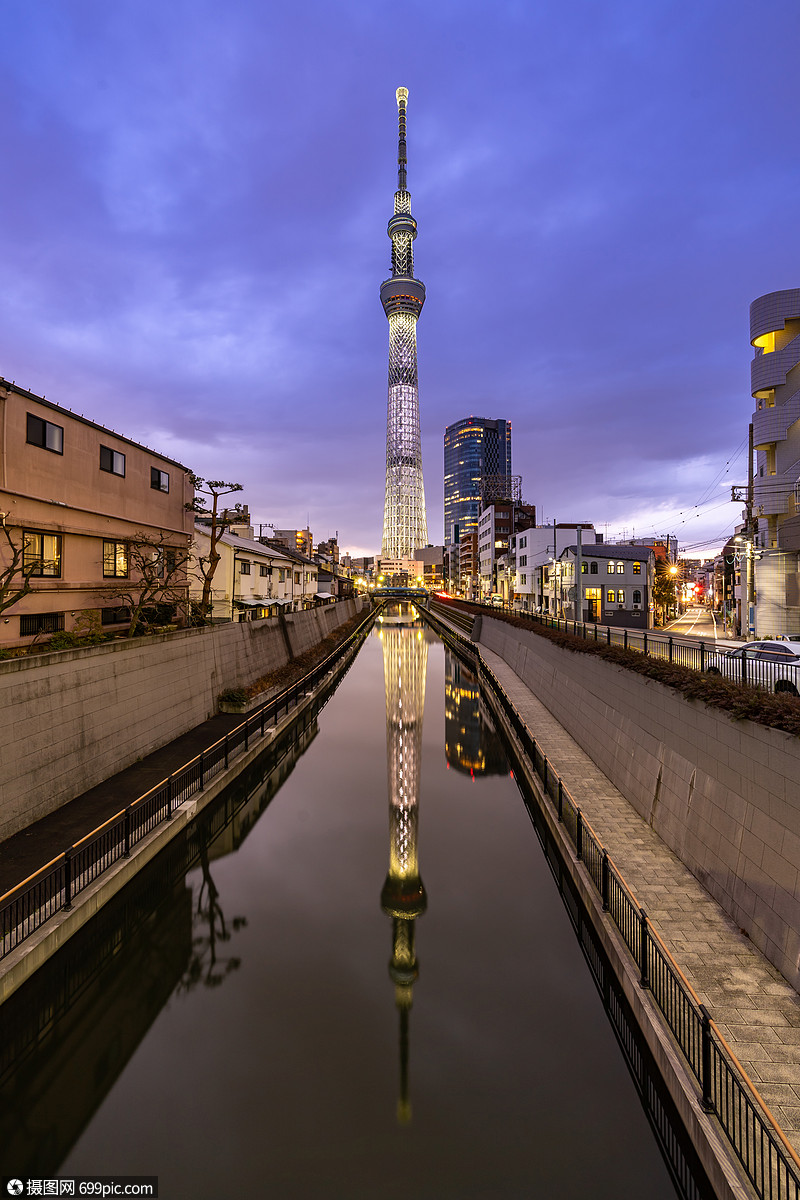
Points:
x=473 y=447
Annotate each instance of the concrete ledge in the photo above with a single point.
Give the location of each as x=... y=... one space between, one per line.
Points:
x=72 y=718
x=723 y=794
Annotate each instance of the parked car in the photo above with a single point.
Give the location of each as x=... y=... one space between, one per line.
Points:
x=772 y=665
x=789 y=637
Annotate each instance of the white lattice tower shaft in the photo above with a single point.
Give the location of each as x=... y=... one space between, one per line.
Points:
x=405 y=527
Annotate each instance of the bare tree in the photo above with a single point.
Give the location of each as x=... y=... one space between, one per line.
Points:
x=210 y=490
x=156 y=576
x=207 y=966
x=15 y=576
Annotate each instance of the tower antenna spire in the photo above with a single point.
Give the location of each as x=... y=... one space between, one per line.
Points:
x=402 y=161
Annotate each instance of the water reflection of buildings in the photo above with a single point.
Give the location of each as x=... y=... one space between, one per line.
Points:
x=471 y=742
x=405 y=660
x=67 y=1034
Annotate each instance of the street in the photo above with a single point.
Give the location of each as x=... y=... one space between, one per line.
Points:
x=701 y=623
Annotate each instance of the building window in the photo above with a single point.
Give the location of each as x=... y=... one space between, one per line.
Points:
x=40 y=623
x=281 y=574
x=43 y=433
x=41 y=555
x=637 y=568
x=159 y=480
x=637 y=596
x=523 y=541
x=297 y=576
x=112 y=460
x=584 y=568
x=620 y=568
x=115 y=616
x=523 y=560
x=612 y=568
x=523 y=580
x=165 y=560
x=620 y=597
x=263 y=570
x=244 y=568
x=115 y=560
x=610 y=596
x=593 y=568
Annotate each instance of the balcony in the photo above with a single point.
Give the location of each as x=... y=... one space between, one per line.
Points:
x=772 y=424
x=770 y=370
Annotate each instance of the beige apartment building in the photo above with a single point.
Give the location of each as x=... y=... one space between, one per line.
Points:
x=75 y=501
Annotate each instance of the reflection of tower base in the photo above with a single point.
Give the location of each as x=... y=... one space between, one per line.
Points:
x=403 y=898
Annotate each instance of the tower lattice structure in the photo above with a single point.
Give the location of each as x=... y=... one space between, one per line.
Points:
x=405 y=660
x=405 y=527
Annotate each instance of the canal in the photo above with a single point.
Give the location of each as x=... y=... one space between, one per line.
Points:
x=353 y=977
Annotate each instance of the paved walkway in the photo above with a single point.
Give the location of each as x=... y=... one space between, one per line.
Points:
x=31 y=848
x=756 y=1010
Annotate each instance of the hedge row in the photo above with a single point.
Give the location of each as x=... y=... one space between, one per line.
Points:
x=781 y=711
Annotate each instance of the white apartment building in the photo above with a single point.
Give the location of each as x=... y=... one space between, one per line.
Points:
x=775 y=386
x=532 y=550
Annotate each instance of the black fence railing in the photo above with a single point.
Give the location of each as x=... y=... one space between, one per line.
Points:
x=26 y=907
x=762 y=668
x=770 y=1162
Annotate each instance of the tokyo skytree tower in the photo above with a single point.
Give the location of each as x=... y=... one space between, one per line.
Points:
x=405 y=527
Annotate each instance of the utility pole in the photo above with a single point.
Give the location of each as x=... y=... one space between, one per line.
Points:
x=578 y=572
x=750 y=534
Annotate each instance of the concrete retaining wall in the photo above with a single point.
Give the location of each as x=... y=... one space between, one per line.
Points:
x=72 y=718
x=724 y=795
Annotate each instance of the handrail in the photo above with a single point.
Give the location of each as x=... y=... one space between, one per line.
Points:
x=762 y=1102
x=26 y=923
x=704 y=1035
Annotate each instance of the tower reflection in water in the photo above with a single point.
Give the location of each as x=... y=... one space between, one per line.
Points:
x=405 y=661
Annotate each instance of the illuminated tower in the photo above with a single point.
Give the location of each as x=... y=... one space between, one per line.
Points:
x=405 y=527
x=405 y=659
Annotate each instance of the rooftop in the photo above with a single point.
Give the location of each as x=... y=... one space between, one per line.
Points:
x=67 y=412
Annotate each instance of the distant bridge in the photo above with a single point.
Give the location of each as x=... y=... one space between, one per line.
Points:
x=417 y=595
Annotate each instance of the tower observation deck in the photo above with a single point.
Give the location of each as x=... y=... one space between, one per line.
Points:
x=405 y=526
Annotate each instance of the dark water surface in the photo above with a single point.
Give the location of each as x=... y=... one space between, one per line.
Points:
x=248 y=1039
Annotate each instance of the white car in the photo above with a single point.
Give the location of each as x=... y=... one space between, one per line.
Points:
x=772 y=665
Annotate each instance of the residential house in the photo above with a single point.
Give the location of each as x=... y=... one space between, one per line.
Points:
x=251 y=580
x=616 y=585
x=76 y=501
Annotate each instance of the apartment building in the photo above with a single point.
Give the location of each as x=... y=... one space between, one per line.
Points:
x=532 y=549
x=496 y=526
x=76 y=501
x=775 y=386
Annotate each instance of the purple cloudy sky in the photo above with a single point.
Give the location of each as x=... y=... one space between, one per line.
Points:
x=193 y=234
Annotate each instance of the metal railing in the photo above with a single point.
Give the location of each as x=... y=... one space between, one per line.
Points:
x=51 y=889
x=770 y=1162
x=749 y=667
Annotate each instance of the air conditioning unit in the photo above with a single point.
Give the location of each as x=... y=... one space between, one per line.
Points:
x=637 y=606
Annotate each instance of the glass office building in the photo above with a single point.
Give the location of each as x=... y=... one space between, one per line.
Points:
x=473 y=447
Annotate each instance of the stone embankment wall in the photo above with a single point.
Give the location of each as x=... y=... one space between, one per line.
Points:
x=724 y=795
x=73 y=718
